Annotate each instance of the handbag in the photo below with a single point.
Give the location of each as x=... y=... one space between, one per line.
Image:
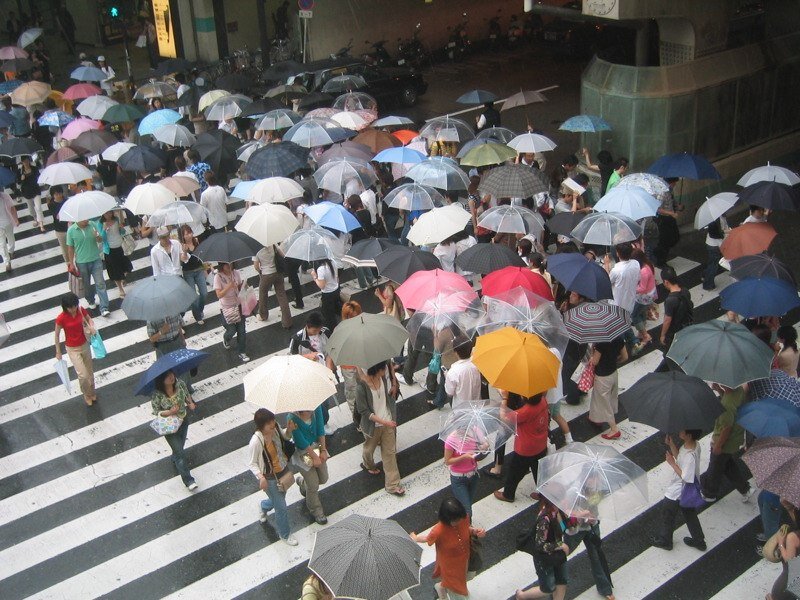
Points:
x=166 y=425
x=435 y=364
x=76 y=285
x=98 y=347
x=475 y=563
x=231 y=314
x=128 y=244
x=771 y=550
x=286 y=480
x=586 y=380
x=248 y=299
x=691 y=496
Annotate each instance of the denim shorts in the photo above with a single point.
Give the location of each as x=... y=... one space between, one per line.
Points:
x=550 y=577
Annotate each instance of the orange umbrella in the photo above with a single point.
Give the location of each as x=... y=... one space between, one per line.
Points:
x=405 y=135
x=61 y=102
x=747 y=239
x=377 y=140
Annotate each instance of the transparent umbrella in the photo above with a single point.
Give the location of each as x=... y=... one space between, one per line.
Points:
x=606 y=229
x=433 y=128
x=336 y=174
x=439 y=174
x=512 y=219
x=313 y=244
x=355 y=101
x=476 y=427
x=280 y=118
x=652 y=184
x=178 y=213
x=446 y=321
x=412 y=196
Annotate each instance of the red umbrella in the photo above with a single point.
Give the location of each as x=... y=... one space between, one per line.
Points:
x=424 y=285
x=510 y=277
x=405 y=135
x=81 y=90
x=747 y=239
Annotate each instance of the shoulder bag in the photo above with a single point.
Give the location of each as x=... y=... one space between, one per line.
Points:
x=286 y=480
x=691 y=496
x=166 y=425
x=128 y=243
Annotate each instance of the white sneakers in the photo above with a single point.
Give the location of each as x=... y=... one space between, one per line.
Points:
x=105 y=313
x=192 y=486
x=244 y=358
x=263 y=517
x=290 y=541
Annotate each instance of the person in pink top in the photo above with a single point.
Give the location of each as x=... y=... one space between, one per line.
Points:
x=8 y=220
x=463 y=465
x=645 y=296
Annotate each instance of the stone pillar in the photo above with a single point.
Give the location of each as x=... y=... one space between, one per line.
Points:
x=198 y=30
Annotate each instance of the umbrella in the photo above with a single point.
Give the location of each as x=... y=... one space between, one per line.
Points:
x=578 y=274
x=84 y=73
x=392 y=121
x=287 y=91
x=347 y=150
x=593 y=479
x=355 y=101
x=58 y=98
x=629 y=200
x=593 y=322
x=29 y=36
x=190 y=97
x=404 y=136
x=95 y=107
x=722 y=352
x=778 y=385
x=348 y=555
x=15 y=147
x=672 y=402
x=155 y=298
x=95 y=141
x=563 y=223
x=652 y=184
x=318 y=132
x=147 y=198
x=218 y=149
x=477 y=97
x=775 y=465
x=606 y=229
x=80 y=91
x=64 y=173
x=344 y=83
x=181 y=186
x=158 y=118
x=227 y=247
x=467 y=146
x=445 y=321
x=243 y=189
x=366 y=340
x=6 y=120
x=16 y=65
x=401 y=155
x=502 y=135
x=113 y=152
x=683 y=164
x=512 y=219
x=377 y=140
x=332 y=216
x=247 y=149
x=455 y=129
x=276 y=160
x=268 y=224
x=142 y=159
x=227 y=107
x=316 y=100
x=760 y=297
x=747 y=238
x=761 y=265
x=9 y=52
x=438 y=174
x=54 y=118
x=87 y=205
x=771 y=195
x=438 y=224
x=274 y=190
x=769 y=172
x=335 y=175
x=713 y=208
x=485 y=258
x=274 y=384
x=179 y=361
x=173 y=134
x=586 y=124
x=313 y=244
x=234 y=82
x=173 y=65
x=65 y=153
x=532 y=142
x=279 y=118
x=412 y=196
x=259 y=108
x=76 y=127
x=398 y=263
x=210 y=97
x=769 y=417
x=363 y=252
x=475 y=427
x=514 y=181
x=488 y=154
x=155 y=89
x=6 y=87
x=515 y=361
x=508 y=278
x=122 y=113
x=425 y=284
x=282 y=70
x=33 y=92
x=178 y=213
x=523 y=98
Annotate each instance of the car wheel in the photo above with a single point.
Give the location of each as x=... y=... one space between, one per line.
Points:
x=409 y=96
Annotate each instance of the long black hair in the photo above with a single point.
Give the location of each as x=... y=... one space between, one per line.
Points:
x=160 y=384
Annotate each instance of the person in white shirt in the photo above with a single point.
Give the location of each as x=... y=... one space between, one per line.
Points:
x=715 y=235
x=182 y=89
x=445 y=251
x=370 y=202
x=462 y=381
x=166 y=255
x=624 y=280
x=464 y=241
x=326 y=277
x=215 y=201
x=85 y=62
x=757 y=215
x=107 y=84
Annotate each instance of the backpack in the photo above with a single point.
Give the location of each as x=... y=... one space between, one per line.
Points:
x=686 y=311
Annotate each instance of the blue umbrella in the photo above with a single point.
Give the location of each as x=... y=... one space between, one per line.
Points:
x=333 y=216
x=83 y=73
x=477 y=97
x=55 y=118
x=400 y=155
x=760 y=297
x=7 y=177
x=769 y=417
x=683 y=164
x=581 y=275
x=156 y=119
x=243 y=189
x=7 y=87
x=586 y=124
x=179 y=361
x=778 y=385
x=629 y=200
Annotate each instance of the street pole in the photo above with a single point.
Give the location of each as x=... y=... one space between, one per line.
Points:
x=263 y=36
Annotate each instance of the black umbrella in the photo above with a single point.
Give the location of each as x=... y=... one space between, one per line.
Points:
x=95 y=141
x=485 y=258
x=228 y=247
x=761 y=265
x=771 y=195
x=398 y=263
x=19 y=147
x=281 y=70
x=261 y=107
x=363 y=252
x=315 y=100
x=234 y=82
x=672 y=402
x=276 y=160
x=564 y=223
x=144 y=159
x=190 y=97
x=218 y=148
x=477 y=97
x=17 y=65
x=173 y=65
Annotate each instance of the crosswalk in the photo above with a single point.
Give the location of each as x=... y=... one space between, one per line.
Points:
x=90 y=505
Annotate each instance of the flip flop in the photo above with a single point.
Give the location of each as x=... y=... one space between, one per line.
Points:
x=372 y=472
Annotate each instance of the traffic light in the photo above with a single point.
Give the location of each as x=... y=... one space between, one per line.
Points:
x=114 y=12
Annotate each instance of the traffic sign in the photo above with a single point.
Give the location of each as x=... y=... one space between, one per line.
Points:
x=305 y=5
x=306 y=14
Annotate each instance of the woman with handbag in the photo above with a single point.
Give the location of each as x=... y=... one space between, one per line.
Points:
x=171 y=398
x=227 y=284
x=549 y=554
x=270 y=464
x=78 y=326
x=683 y=492
x=604 y=403
x=311 y=458
x=452 y=537
x=117 y=264
x=463 y=465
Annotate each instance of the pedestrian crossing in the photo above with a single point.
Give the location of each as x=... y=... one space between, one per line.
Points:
x=90 y=504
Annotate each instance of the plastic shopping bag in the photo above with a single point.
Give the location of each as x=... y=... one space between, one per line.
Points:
x=63 y=374
x=248 y=298
x=98 y=347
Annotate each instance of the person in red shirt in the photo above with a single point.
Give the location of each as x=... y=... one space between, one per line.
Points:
x=72 y=320
x=530 y=443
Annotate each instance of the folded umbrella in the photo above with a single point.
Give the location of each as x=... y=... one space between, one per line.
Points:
x=313 y=244
x=508 y=278
x=512 y=219
x=156 y=298
x=332 y=216
x=775 y=465
x=122 y=113
x=683 y=164
x=713 y=208
x=593 y=322
x=585 y=124
x=771 y=195
x=769 y=417
x=62 y=370
x=413 y=196
x=438 y=224
x=769 y=172
x=95 y=107
x=276 y=160
x=176 y=135
x=227 y=247
x=398 y=263
x=87 y=205
x=531 y=142
x=778 y=385
x=606 y=229
x=440 y=175
x=95 y=141
x=146 y=198
x=629 y=200
x=514 y=181
x=274 y=384
x=476 y=427
x=218 y=149
x=485 y=258
x=178 y=361
x=564 y=223
x=366 y=340
x=579 y=274
x=748 y=238
x=422 y=285
x=760 y=297
x=761 y=265
x=363 y=252
x=142 y=159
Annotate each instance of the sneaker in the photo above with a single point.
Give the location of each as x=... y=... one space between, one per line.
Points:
x=201 y=322
x=244 y=358
x=761 y=538
x=290 y=541
x=747 y=495
x=263 y=517
x=92 y=305
x=329 y=429
x=323 y=520
x=699 y=544
x=708 y=499
x=105 y=312
x=192 y=486
x=226 y=344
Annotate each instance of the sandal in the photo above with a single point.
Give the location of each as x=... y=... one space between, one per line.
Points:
x=397 y=492
x=370 y=471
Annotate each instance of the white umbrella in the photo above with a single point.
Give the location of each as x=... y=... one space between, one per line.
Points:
x=87 y=205
x=181 y=185
x=95 y=107
x=29 y=36
x=64 y=173
x=769 y=172
x=147 y=198
x=268 y=224
x=512 y=219
x=350 y=120
x=275 y=384
x=313 y=244
x=227 y=107
x=178 y=213
x=275 y=189
x=713 y=208
x=174 y=135
x=335 y=174
x=245 y=151
x=532 y=142
x=438 y=224
x=114 y=151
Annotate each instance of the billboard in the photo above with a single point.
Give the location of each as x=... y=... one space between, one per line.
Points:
x=165 y=32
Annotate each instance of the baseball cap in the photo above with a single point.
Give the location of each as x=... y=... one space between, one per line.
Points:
x=162 y=232
x=101 y=59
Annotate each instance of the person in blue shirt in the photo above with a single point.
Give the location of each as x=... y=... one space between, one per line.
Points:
x=411 y=218
x=311 y=458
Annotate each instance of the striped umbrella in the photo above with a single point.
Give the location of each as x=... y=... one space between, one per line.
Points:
x=514 y=181
x=594 y=322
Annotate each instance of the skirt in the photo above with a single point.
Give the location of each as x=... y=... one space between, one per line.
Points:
x=117 y=264
x=605 y=398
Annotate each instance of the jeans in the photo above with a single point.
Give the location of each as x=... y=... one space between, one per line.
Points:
x=366 y=277
x=404 y=233
x=197 y=279
x=441 y=398
x=390 y=219
x=720 y=465
x=94 y=270
x=550 y=577
x=597 y=558
x=769 y=505
x=236 y=329
x=712 y=266
x=669 y=510
x=464 y=489
x=278 y=501
x=176 y=442
x=517 y=469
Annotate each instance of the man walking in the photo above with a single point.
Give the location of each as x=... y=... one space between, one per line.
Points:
x=83 y=239
x=166 y=255
x=678 y=312
x=624 y=277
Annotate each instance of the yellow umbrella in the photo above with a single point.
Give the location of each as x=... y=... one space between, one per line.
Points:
x=515 y=361
x=209 y=98
x=62 y=103
x=30 y=93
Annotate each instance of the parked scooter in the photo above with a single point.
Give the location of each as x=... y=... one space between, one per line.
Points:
x=411 y=52
x=379 y=57
x=459 y=44
x=515 y=33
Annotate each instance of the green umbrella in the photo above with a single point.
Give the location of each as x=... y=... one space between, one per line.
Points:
x=484 y=155
x=722 y=352
x=122 y=113
x=366 y=340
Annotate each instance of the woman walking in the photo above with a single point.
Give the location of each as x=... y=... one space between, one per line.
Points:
x=227 y=284
x=270 y=276
x=787 y=356
x=269 y=464
x=645 y=296
x=29 y=188
x=8 y=220
x=76 y=321
x=171 y=398
x=194 y=272
x=311 y=458
x=117 y=264
x=463 y=467
x=326 y=277
x=550 y=558
x=604 y=403
x=350 y=372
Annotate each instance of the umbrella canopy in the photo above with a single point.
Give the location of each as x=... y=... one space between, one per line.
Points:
x=398 y=263
x=158 y=118
x=84 y=73
x=523 y=98
x=512 y=219
x=155 y=298
x=313 y=244
x=348 y=555
x=581 y=275
x=515 y=361
x=276 y=160
x=6 y=120
x=55 y=118
x=423 y=285
x=532 y=142
x=80 y=91
x=316 y=132
x=64 y=173
x=65 y=153
x=392 y=121
x=775 y=465
x=179 y=213
x=227 y=107
x=142 y=159
x=179 y=361
x=279 y=118
x=335 y=175
x=769 y=172
x=274 y=190
x=564 y=223
x=87 y=205
x=672 y=402
x=348 y=150
x=7 y=177
x=146 y=198
x=778 y=385
x=475 y=427
x=438 y=224
x=629 y=200
x=227 y=247
x=268 y=224
x=355 y=101
x=363 y=252
x=477 y=97
x=122 y=113
x=218 y=149
x=488 y=154
x=377 y=140
x=748 y=238
x=683 y=164
x=502 y=135
x=593 y=479
x=176 y=135
x=713 y=208
x=29 y=36
x=508 y=278
x=760 y=297
x=155 y=89
x=585 y=124
x=287 y=91
x=400 y=156
x=259 y=108
x=33 y=92
x=344 y=83
x=593 y=322
x=404 y=136
x=247 y=149
x=771 y=195
x=606 y=229
x=113 y=152
x=366 y=340
x=95 y=141
x=76 y=127
x=514 y=181
x=447 y=129
x=720 y=351
x=273 y=385
x=173 y=65
x=445 y=321
x=467 y=146
x=332 y=216
x=210 y=97
x=652 y=184
x=191 y=97
x=439 y=174
x=485 y=258
x=761 y=265
x=282 y=70
x=95 y=107
x=412 y=196
x=16 y=147
x=769 y=417
x=17 y=65
x=234 y=82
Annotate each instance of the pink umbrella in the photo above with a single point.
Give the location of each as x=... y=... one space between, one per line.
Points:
x=368 y=115
x=12 y=52
x=322 y=113
x=424 y=285
x=81 y=90
x=78 y=126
